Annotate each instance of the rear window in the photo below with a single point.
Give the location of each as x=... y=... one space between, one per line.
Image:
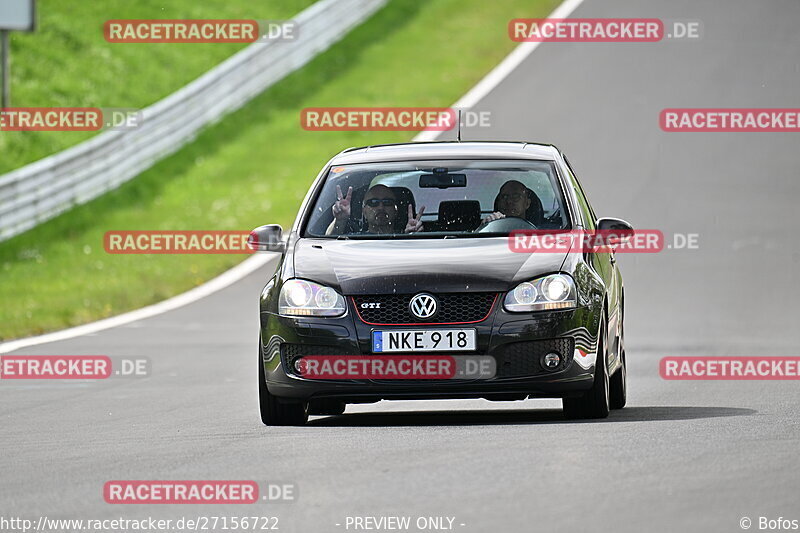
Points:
x=437 y=199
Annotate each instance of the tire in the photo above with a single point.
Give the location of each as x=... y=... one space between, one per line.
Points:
x=619 y=386
x=326 y=407
x=594 y=403
x=273 y=411
x=619 y=381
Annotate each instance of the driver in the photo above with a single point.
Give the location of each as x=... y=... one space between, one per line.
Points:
x=511 y=201
x=380 y=212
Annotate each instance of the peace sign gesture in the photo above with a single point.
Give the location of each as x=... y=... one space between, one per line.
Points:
x=341 y=208
x=414 y=224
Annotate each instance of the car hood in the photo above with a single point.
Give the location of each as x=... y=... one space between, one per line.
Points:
x=408 y=266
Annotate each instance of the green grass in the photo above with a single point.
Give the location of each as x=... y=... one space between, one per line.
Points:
x=253 y=167
x=68 y=63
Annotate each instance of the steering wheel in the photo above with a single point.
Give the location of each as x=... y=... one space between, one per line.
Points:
x=504 y=225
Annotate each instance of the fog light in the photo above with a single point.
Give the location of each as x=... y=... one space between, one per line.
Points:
x=299 y=365
x=551 y=361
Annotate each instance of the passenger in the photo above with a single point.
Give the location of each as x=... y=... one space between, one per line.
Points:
x=379 y=209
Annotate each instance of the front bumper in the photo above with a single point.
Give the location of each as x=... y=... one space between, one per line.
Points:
x=515 y=340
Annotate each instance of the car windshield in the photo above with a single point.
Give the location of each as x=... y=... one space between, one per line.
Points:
x=437 y=199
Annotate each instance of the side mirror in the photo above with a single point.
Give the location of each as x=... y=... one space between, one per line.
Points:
x=613 y=231
x=267 y=238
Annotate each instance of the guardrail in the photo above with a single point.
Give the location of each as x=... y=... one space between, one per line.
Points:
x=42 y=190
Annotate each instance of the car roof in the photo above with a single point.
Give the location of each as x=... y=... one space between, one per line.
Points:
x=446 y=150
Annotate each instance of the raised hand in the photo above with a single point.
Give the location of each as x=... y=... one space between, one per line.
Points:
x=341 y=208
x=414 y=224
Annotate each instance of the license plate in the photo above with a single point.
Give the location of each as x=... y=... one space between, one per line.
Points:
x=424 y=340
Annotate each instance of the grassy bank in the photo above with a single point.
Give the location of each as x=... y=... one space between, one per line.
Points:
x=66 y=62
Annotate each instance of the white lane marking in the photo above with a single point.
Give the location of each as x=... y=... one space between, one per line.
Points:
x=501 y=71
x=227 y=278
x=477 y=93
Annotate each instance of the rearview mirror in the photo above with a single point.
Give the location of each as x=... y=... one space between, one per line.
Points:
x=267 y=238
x=613 y=231
x=442 y=180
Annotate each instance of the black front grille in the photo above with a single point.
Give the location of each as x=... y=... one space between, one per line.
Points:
x=452 y=307
x=299 y=350
x=522 y=359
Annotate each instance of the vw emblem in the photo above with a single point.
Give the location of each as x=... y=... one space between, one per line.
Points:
x=423 y=306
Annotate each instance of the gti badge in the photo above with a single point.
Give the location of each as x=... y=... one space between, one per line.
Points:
x=423 y=306
x=371 y=305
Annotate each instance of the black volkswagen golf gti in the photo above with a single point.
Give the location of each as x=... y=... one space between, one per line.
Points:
x=398 y=281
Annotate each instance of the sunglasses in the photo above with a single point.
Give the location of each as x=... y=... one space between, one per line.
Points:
x=375 y=202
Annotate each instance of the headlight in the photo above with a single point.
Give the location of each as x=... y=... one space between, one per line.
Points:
x=556 y=291
x=305 y=298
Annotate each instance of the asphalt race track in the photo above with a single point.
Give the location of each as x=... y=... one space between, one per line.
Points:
x=683 y=456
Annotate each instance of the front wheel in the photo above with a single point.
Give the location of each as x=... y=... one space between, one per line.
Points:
x=273 y=411
x=619 y=381
x=594 y=403
x=619 y=386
